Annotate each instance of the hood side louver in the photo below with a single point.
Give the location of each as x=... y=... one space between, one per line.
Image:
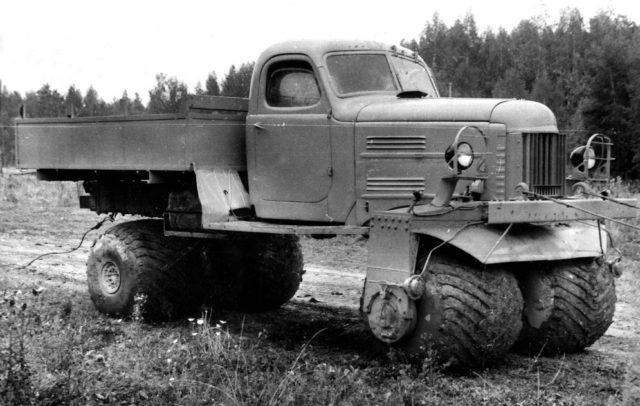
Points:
x=406 y=143
x=393 y=187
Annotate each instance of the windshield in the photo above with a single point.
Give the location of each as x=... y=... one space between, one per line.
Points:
x=355 y=73
x=413 y=76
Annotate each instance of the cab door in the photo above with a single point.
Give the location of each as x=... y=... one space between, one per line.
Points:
x=289 y=143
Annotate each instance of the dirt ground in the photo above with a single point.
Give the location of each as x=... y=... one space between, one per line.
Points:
x=332 y=283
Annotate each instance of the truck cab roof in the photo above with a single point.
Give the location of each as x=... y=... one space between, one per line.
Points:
x=316 y=49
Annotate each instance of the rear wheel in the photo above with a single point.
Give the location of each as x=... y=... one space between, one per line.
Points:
x=256 y=272
x=468 y=317
x=134 y=266
x=568 y=306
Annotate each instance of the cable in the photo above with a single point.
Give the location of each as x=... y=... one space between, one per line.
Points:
x=426 y=262
x=504 y=234
x=611 y=199
x=110 y=217
x=563 y=203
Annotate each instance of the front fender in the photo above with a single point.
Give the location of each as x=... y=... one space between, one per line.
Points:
x=495 y=244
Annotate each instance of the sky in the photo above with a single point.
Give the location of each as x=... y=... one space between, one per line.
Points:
x=118 y=45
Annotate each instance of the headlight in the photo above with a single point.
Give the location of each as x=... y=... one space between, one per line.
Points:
x=581 y=155
x=463 y=154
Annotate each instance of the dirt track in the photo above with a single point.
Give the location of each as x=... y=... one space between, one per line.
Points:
x=25 y=234
x=334 y=271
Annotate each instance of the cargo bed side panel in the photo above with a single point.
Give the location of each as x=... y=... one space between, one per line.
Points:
x=165 y=143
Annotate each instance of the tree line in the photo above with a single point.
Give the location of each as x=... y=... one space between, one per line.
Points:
x=165 y=97
x=588 y=73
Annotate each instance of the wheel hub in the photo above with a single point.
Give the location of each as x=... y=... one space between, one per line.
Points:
x=391 y=313
x=110 y=278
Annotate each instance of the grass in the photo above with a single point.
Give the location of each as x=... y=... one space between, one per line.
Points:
x=24 y=189
x=55 y=348
x=626 y=239
x=69 y=354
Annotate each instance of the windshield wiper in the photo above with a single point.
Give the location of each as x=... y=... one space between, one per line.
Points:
x=412 y=94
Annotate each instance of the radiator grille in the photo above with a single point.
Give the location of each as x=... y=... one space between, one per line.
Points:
x=501 y=163
x=544 y=158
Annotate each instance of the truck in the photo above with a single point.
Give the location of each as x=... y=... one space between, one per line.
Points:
x=482 y=236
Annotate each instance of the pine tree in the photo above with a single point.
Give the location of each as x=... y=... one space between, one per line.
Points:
x=199 y=90
x=237 y=83
x=608 y=106
x=212 y=88
x=9 y=109
x=73 y=101
x=93 y=105
x=123 y=106
x=167 y=95
x=44 y=103
x=511 y=85
x=136 y=106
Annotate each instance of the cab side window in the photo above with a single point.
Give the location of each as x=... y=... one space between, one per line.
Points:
x=292 y=85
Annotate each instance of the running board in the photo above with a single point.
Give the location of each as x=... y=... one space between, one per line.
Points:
x=213 y=229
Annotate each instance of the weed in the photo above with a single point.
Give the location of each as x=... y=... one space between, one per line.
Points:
x=625 y=238
x=70 y=354
x=24 y=189
x=16 y=316
x=632 y=384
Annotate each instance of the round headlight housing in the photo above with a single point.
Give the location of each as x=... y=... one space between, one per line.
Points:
x=590 y=157
x=463 y=154
x=583 y=155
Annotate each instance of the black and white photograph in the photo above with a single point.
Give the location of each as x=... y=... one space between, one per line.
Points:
x=334 y=203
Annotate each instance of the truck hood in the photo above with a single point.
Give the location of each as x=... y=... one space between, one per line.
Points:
x=516 y=115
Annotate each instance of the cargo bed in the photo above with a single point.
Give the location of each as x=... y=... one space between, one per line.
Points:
x=207 y=134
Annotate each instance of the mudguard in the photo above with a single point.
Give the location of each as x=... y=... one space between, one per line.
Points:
x=220 y=191
x=495 y=244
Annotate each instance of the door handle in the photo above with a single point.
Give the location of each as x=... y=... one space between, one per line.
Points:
x=259 y=126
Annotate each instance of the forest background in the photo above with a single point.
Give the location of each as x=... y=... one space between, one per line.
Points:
x=587 y=72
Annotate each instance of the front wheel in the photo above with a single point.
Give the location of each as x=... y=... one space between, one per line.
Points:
x=568 y=306
x=469 y=317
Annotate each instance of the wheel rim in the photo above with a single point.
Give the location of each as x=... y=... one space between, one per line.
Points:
x=110 y=278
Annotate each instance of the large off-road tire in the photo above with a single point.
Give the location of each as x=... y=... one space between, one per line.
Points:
x=568 y=306
x=134 y=266
x=469 y=317
x=255 y=272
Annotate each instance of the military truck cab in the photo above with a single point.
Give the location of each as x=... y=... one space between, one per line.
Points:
x=337 y=130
